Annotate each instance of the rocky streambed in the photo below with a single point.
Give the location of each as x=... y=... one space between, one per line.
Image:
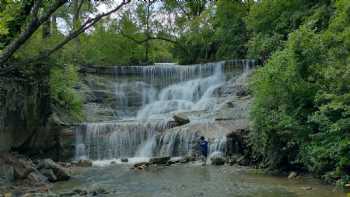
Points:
x=160 y=176
x=190 y=179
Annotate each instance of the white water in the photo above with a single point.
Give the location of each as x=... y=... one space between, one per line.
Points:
x=165 y=90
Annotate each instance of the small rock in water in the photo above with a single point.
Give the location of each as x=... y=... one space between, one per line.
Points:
x=80 y=192
x=140 y=165
x=217 y=159
x=306 y=188
x=125 y=160
x=243 y=161
x=67 y=194
x=292 y=175
x=232 y=161
x=99 y=191
x=8 y=195
x=84 y=163
x=159 y=160
x=188 y=159
x=113 y=162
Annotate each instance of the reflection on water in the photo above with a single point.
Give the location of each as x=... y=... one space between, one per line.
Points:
x=193 y=180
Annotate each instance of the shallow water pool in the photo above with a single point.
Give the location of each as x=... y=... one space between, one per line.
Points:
x=193 y=180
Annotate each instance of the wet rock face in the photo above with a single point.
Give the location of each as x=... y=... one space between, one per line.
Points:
x=236 y=142
x=24 y=111
x=27 y=122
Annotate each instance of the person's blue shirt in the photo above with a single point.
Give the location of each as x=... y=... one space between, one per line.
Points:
x=204 y=147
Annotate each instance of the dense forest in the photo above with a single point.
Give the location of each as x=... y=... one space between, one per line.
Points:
x=301 y=110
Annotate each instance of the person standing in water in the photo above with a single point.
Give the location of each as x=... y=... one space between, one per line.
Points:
x=203 y=145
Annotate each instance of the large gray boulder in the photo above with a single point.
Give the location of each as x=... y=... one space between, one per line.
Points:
x=37 y=177
x=60 y=172
x=49 y=174
x=181 y=119
x=21 y=167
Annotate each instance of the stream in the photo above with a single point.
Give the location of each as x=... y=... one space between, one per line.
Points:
x=193 y=180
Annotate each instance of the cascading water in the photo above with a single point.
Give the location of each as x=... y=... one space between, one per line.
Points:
x=146 y=106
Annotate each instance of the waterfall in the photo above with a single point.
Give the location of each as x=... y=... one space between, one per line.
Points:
x=146 y=104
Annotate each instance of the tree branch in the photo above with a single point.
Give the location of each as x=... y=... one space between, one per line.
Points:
x=86 y=25
x=89 y=23
x=34 y=24
x=148 y=38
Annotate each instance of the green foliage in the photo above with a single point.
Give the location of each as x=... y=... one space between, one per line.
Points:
x=230 y=32
x=284 y=92
x=198 y=42
x=217 y=33
x=8 y=10
x=62 y=81
x=301 y=110
x=271 y=21
x=106 y=47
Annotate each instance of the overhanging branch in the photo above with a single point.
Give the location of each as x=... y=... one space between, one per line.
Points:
x=89 y=23
x=148 y=38
x=33 y=25
x=86 y=25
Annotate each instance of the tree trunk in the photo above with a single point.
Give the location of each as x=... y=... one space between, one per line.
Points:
x=46 y=29
x=53 y=24
x=76 y=24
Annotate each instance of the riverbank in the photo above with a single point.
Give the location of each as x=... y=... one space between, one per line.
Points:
x=189 y=178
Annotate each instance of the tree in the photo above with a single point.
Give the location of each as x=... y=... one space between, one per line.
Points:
x=301 y=108
x=36 y=20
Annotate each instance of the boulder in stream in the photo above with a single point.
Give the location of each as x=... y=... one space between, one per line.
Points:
x=37 y=177
x=84 y=163
x=181 y=119
x=49 y=174
x=140 y=166
x=60 y=172
x=217 y=158
x=243 y=161
x=292 y=175
x=15 y=167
